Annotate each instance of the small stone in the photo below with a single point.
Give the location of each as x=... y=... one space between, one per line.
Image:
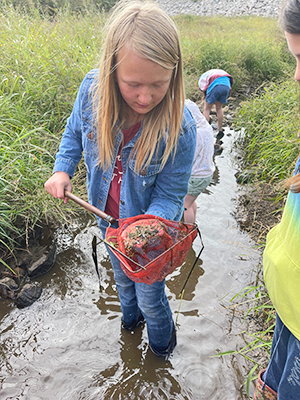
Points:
x=28 y=295
x=7 y=288
x=44 y=263
x=218 y=149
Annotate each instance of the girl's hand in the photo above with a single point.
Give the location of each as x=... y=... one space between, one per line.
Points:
x=57 y=184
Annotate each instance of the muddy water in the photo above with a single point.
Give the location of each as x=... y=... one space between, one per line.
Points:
x=69 y=344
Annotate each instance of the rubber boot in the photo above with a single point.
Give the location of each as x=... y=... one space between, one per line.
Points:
x=263 y=393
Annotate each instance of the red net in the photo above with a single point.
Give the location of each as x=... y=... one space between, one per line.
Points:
x=149 y=247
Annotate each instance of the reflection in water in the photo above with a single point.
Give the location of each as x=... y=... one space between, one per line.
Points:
x=69 y=345
x=177 y=280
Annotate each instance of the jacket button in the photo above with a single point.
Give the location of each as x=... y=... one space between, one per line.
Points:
x=122 y=202
x=143 y=172
x=90 y=136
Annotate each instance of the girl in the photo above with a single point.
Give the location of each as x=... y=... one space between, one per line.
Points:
x=138 y=143
x=281 y=260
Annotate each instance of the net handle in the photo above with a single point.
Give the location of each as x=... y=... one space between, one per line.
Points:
x=90 y=208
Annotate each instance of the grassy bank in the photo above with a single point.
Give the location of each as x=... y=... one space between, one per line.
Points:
x=45 y=59
x=270 y=124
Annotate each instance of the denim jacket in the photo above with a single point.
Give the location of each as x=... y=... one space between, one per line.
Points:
x=154 y=190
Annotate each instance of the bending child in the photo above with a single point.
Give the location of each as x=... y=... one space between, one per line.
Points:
x=138 y=142
x=216 y=85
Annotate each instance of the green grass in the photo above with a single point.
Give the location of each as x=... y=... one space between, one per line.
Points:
x=270 y=124
x=42 y=65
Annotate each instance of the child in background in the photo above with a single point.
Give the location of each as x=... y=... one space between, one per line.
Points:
x=281 y=263
x=215 y=85
x=138 y=142
x=203 y=164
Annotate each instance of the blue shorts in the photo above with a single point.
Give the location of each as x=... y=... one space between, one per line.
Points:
x=220 y=93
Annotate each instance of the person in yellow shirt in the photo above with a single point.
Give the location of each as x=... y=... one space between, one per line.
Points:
x=281 y=263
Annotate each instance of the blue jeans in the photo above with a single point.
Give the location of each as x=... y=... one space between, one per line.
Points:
x=283 y=371
x=141 y=301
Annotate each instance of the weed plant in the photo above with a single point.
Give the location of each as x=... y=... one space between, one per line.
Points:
x=258 y=347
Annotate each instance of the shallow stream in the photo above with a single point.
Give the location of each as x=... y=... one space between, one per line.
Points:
x=69 y=344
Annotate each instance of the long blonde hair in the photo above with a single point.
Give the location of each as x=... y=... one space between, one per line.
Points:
x=152 y=35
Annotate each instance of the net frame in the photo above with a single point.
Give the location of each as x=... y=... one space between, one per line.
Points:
x=161 y=266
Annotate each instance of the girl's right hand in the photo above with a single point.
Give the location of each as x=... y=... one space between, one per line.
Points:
x=57 y=184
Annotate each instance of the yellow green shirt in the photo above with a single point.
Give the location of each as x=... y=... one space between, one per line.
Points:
x=281 y=261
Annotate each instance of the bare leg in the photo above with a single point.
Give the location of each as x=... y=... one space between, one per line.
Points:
x=207 y=110
x=191 y=209
x=220 y=116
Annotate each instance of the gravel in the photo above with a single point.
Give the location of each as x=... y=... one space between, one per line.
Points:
x=230 y=8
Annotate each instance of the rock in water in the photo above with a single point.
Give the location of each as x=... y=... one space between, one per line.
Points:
x=43 y=264
x=28 y=295
x=7 y=287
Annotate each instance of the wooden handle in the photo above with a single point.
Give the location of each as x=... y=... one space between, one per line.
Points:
x=90 y=208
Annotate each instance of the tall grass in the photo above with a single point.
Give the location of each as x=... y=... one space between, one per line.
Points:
x=42 y=65
x=270 y=120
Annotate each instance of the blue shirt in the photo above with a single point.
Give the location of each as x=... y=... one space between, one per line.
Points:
x=154 y=190
x=223 y=80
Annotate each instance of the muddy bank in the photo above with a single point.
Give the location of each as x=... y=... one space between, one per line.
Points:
x=259 y=209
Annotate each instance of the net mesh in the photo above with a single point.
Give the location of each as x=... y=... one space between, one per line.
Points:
x=150 y=247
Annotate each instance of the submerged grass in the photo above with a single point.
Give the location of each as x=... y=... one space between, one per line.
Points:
x=258 y=347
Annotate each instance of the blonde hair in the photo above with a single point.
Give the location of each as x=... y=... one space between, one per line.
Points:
x=152 y=35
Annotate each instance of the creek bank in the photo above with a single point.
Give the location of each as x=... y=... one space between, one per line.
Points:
x=30 y=261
